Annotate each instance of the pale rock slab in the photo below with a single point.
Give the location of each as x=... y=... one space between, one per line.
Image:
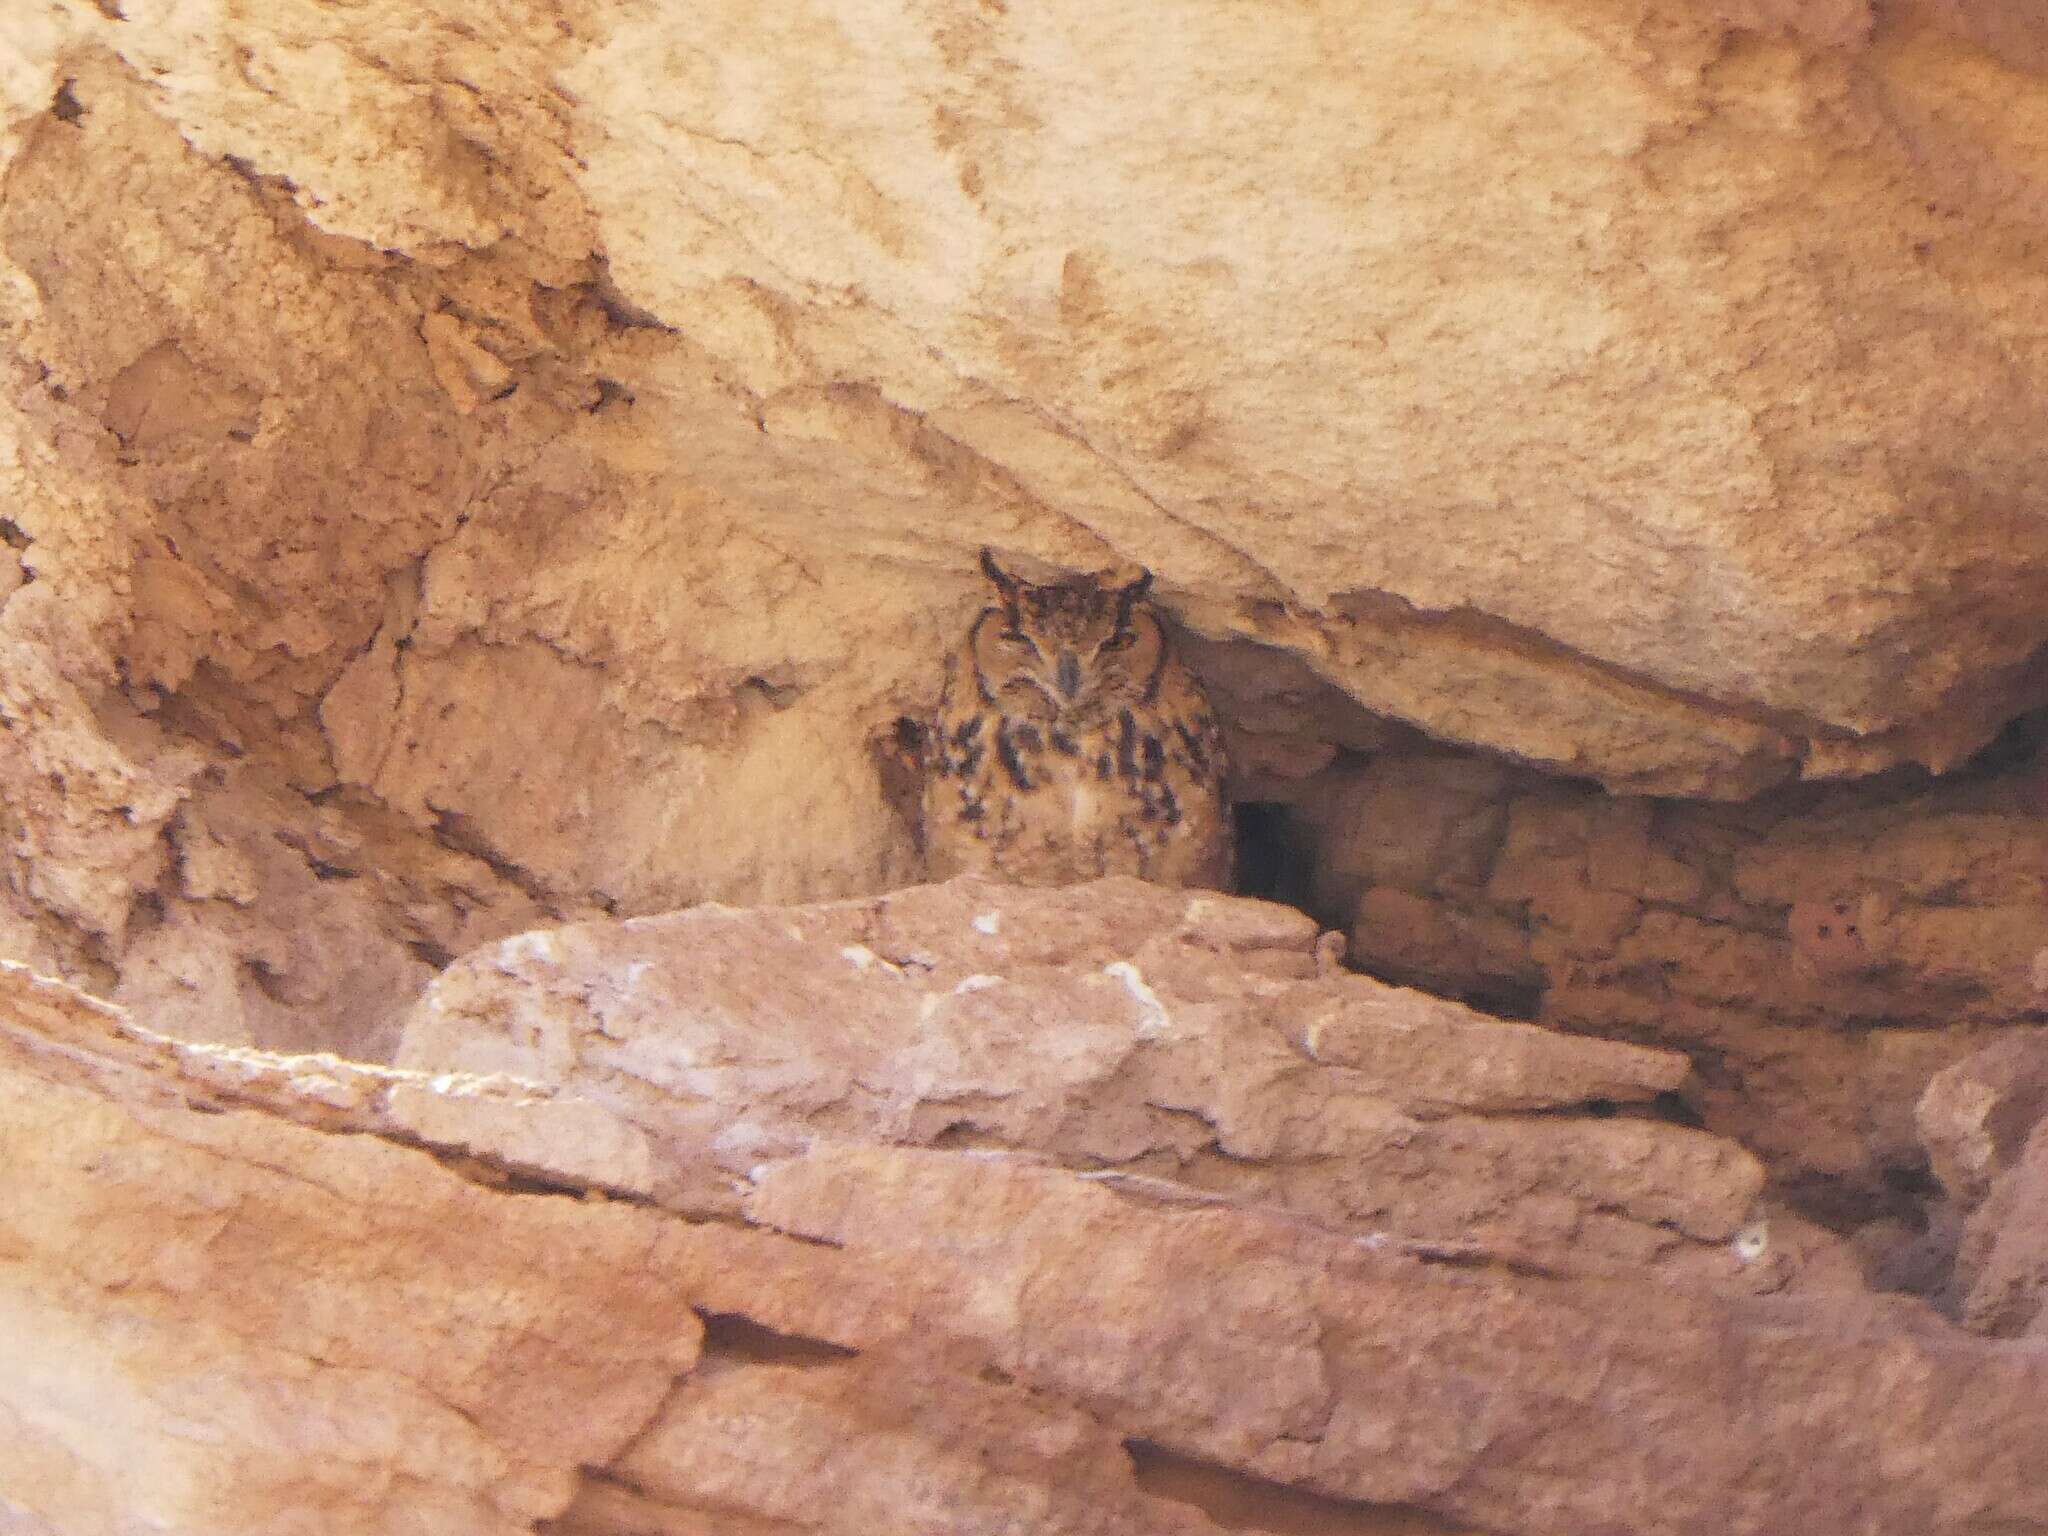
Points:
x=244 y=1292
x=1136 y=1032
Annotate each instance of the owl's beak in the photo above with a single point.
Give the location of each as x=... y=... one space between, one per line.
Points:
x=1070 y=675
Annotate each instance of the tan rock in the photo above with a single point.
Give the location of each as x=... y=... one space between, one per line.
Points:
x=1358 y=1372
x=463 y=472
x=242 y=1295
x=2001 y=1279
x=1117 y=1027
x=218 y=1320
x=1977 y=1115
x=357 y=606
x=575 y=456
x=1982 y=1120
x=677 y=385
x=1821 y=955
x=803 y=1436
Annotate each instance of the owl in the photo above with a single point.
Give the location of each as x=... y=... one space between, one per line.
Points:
x=1070 y=743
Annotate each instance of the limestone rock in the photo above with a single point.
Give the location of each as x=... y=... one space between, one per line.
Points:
x=1131 y=1031
x=1977 y=1115
x=1368 y=1360
x=237 y=1301
x=248 y=1293
x=465 y=471
x=2001 y=1277
x=570 y=438
x=364 y=488
x=1701 y=928
x=1985 y=1121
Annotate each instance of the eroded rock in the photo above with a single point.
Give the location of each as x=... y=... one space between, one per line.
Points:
x=1116 y=1027
x=2001 y=1279
x=1819 y=954
x=456 y=478
x=241 y=1296
x=1976 y=1116
x=233 y=1303
x=1983 y=1120
x=570 y=439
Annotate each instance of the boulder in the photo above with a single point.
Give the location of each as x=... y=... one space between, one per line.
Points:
x=1127 y=1031
x=253 y=1293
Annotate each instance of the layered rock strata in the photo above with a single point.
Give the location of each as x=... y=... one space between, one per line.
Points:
x=540 y=456
x=245 y=1292
x=1820 y=955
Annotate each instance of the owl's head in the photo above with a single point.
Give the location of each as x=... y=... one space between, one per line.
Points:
x=1071 y=651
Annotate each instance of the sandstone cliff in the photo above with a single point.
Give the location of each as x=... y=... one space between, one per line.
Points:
x=474 y=470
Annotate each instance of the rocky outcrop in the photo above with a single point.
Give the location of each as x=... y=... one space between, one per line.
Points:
x=471 y=470
x=1120 y=1028
x=2002 y=1268
x=561 y=443
x=732 y=1274
x=1820 y=954
x=238 y=1298
x=1985 y=1121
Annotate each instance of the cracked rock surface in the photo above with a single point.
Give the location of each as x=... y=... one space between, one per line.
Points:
x=475 y=474
x=1819 y=953
x=498 y=455
x=1985 y=1122
x=1118 y=1028
x=245 y=1292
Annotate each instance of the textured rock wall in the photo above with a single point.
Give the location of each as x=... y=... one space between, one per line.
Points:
x=464 y=468
x=1819 y=953
x=770 y=1302
x=471 y=465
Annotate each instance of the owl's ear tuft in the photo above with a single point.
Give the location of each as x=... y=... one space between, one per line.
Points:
x=1130 y=594
x=1002 y=580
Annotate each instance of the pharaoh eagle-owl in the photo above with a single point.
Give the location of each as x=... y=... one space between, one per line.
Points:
x=1070 y=743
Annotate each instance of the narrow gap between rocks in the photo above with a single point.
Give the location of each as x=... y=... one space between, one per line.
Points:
x=1237 y=1502
x=1819 y=950
x=739 y=1338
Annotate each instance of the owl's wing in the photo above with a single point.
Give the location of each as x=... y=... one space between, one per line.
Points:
x=1195 y=743
x=953 y=745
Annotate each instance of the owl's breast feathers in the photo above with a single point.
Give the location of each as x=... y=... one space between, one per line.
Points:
x=1139 y=791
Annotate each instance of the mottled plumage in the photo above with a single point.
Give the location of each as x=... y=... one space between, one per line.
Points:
x=1069 y=743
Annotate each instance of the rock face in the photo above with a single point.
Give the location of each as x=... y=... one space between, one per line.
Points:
x=473 y=471
x=528 y=465
x=1116 y=1027
x=1819 y=954
x=340 y=1298
x=221 y=1314
x=1983 y=1120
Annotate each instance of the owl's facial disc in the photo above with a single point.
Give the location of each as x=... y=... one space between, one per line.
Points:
x=1072 y=653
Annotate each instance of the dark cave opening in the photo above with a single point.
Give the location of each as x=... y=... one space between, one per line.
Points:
x=1274 y=858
